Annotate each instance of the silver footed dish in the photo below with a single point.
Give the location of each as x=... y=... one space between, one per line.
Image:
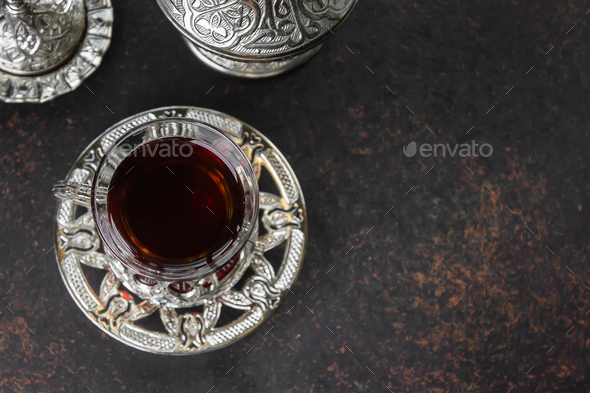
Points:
x=256 y=38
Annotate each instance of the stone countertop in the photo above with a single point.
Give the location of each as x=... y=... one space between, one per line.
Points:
x=437 y=274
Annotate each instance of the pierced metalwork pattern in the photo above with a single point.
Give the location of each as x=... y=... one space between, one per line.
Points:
x=48 y=48
x=257 y=29
x=115 y=306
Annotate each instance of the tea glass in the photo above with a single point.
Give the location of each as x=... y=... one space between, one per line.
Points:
x=95 y=196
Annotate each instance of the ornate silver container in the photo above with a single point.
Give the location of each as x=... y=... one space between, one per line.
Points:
x=47 y=48
x=155 y=318
x=256 y=38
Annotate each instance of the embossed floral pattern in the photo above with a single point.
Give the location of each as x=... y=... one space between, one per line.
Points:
x=224 y=21
x=256 y=27
x=40 y=38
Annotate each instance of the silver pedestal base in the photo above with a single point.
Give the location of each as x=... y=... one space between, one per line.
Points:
x=251 y=69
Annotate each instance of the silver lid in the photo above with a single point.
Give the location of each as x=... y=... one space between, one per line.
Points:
x=47 y=47
x=257 y=30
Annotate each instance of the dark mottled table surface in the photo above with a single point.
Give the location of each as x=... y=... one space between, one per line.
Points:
x=459 y=274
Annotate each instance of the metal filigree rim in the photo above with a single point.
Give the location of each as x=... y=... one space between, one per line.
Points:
x=284 y=217
x=69 y=75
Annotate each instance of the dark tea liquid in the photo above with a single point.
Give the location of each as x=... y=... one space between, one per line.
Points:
x=175 y=201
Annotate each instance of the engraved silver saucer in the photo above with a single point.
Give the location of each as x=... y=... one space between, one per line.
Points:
x=160 y=324
x=48 y=47
x=256 y=38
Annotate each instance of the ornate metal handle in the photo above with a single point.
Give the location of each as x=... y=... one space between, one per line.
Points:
x=77 y=192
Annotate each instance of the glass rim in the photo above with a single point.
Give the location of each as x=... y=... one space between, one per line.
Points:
x=195 y=269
